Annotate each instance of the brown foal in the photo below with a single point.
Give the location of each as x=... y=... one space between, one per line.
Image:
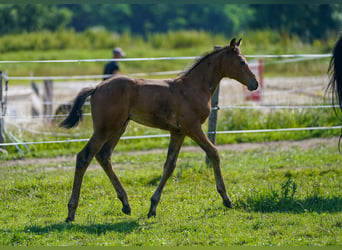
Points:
x=179 y=105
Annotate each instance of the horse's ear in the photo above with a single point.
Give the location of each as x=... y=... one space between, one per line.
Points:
x=239 y=42
x=217 y=47
x=232 y=43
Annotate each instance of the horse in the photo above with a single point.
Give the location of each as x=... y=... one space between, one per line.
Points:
x=179 y=105
x=335 y=73
x=335 y=78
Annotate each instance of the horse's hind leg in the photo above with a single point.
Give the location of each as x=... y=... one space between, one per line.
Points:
x=175 y=144
x=82 y=162
x=104 y=158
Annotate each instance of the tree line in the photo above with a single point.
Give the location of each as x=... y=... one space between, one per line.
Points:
x=309 y=22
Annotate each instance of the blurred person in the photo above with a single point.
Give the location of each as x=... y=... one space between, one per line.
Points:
x=112 y=68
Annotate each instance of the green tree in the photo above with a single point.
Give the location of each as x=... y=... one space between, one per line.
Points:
x=113 y=17
x=307 y=21
x=214 y=18
x=28 y=17
x=146 y=18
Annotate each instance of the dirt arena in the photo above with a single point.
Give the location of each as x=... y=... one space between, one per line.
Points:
x=274 y=91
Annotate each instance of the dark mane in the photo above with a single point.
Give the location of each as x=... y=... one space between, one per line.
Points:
x=200 y=60
x=335 y=81
x=335 y=73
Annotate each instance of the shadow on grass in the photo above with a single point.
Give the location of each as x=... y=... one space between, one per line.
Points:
x=120 y=227
x=269 y=204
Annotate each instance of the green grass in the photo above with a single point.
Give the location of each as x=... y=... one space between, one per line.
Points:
x=281 y=196
x=285 y=197
x=249 y=119
x=228 y=120
x=95 y=44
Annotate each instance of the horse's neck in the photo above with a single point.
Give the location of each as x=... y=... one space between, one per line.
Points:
x=206 y=75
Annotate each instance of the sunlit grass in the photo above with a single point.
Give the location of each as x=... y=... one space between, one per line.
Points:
x=89 y=45
x=285 y=197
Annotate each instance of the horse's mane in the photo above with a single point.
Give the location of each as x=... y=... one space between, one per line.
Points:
x=335 y=82
x=200 y=60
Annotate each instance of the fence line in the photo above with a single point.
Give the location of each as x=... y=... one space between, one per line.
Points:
x=165 y=58
x=168 y=135
x=288 y=58
x=24 y=78
x=279 y=107
x=299 y=57
x=29 y=117
x=106 y=60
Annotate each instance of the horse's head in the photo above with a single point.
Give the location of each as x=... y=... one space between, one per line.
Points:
x=235 y=66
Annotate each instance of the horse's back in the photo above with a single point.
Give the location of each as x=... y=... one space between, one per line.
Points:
x=124 y=96
x=168 y=104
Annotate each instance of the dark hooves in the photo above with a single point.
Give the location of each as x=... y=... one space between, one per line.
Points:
x=151 y=214
x=126 y=210
x=69 y=220
x=227 y=204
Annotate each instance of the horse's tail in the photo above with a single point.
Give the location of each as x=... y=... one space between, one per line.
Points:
x=75 y=114
x=335 y=74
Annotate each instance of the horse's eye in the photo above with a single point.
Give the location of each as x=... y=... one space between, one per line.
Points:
x=242 y=63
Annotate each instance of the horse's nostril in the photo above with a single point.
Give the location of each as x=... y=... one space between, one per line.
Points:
x=253 y=85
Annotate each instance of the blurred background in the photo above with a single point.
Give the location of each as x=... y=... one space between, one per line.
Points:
x=309 y=22
x=38 y=32
x=287 y=46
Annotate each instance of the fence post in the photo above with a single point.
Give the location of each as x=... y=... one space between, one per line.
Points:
x=212 y=122
x=47 y=100
x=35 y=99
x=258 y=69
x=2 y=136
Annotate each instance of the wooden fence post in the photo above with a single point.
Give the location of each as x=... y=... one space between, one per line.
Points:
x=212 y=122
x=47 y=100
x=2 y=136
x=35 y=99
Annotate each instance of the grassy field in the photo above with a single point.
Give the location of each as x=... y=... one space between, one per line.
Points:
x=285 y=196
x=97 y=44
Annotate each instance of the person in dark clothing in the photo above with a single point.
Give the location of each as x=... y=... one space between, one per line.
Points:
x=112 y=68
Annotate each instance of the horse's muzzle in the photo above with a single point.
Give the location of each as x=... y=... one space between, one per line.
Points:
x=253 y=85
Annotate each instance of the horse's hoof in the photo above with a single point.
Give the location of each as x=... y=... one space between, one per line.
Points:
x=69 y=219
x=227 y=204
x=126 y=210
x=150 y=214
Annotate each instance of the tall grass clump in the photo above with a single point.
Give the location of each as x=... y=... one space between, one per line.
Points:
x=265 y=41
x=45 y=40
x=94 y=38
x=259 y=41
x=184 y=39
x=247 y=119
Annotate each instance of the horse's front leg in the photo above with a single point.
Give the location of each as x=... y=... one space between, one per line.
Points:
x=202 y=140
x=175 y=144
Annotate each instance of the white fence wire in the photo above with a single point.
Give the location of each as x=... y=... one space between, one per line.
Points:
x=284 y=59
